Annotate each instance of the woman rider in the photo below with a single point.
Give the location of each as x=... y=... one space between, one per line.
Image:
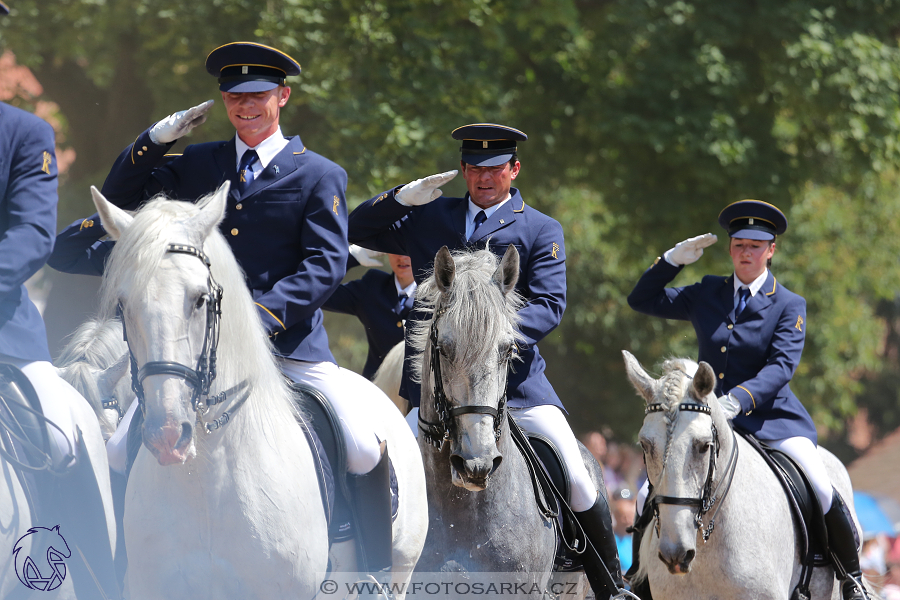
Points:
x=751 y=330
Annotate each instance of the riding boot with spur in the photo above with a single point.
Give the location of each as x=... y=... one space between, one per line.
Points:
x=371 y=494
x=843 y=542
x=597 y=525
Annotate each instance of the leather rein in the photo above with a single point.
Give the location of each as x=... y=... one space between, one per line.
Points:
x=709 y=497
x=436 y=433
x=199 y=378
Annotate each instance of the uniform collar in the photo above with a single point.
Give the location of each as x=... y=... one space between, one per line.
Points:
x=266 y=149
x=754 y=286
x=408 y=291
x=474 y=209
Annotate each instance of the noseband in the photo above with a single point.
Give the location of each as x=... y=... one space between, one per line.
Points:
x=709 y=497
x=438 y=433
x=200 y=378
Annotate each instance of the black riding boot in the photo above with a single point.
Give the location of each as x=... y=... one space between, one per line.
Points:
x=843 y=542
x=597 y=525
x=641 y=588
x=372 y=507
x=72 y=500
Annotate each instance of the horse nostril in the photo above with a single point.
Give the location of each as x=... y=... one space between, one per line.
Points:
x=688 y=557
x=187 y=432
x=497 y=462
x=458 y=464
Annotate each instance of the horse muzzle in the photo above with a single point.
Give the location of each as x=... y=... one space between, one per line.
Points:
x=170 y=443
x=473 y=471
x=677 y=559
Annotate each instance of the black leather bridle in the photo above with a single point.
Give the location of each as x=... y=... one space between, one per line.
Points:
x=201 y=377
x=438 y=433
x=709 y=497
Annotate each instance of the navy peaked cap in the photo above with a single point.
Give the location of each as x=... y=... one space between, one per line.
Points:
x=753 y=220
x=250 y=67
x=487 y=144
x=4 y=9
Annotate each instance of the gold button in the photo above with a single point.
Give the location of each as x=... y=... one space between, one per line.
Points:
x=724 y=349
x=144 y=148
x=730 y=326
x=399 y=323
x=502 y=221
x=239 y=206
x=721 y=375
x=140 y=153
x=234 y=231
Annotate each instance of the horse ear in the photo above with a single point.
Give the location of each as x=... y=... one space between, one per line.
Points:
x=639 y=378
x=704 y=381
x=108 y=378
x=114 y=219
x=212 y=210
x=507 y=274
x=444 y=269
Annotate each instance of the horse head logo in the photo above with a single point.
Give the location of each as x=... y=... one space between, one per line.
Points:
x=44 y=567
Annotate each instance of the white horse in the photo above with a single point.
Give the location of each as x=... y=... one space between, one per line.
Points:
x=95 y=362
x=388 y=376
x=752 y=551
x=232 y=510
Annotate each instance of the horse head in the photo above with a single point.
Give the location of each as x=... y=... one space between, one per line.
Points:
x=463 y=352
x=159 y=278
x=680 y=441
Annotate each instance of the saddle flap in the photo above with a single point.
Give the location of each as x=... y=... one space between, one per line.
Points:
x=23 y=419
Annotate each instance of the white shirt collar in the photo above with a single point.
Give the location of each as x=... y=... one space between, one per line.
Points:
x=754 y=286
x=409 y=290
x=474 y=209
x=267 y=150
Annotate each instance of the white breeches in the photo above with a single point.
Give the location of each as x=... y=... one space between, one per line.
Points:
x=549 y=421
x=348 y=393
x=116 y=445
x=805 y=453
x=57 y=397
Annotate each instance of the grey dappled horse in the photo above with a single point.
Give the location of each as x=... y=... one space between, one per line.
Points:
x=483 y=516
x=752 y=551
x=95 y=362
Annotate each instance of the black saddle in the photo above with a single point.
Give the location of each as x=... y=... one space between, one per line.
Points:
x=808 y=516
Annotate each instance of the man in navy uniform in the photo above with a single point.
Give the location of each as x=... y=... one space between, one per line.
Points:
x=414 y=220
x=381 y=301
x=286 y=223
x=28 y=198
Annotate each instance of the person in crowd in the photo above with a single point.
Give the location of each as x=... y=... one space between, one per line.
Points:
x=286 y=222
x=413 y=220
x=751 y=330
x=623 y=507
x=50 y=442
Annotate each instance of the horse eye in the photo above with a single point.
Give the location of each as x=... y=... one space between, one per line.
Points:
x=201 y=301
x=705 y=448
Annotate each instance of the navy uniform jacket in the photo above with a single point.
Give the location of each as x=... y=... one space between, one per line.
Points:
x=288 y=231
x=373 y=300
x=28 y=198
x=442 y=222
x=754 y=357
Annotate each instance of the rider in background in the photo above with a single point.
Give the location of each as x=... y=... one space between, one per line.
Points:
x=286 y=222
x=751 y=330
x=413 y=220
x=28 y=198
x=381 y=301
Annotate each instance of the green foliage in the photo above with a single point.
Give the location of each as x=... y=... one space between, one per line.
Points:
x=645 y=118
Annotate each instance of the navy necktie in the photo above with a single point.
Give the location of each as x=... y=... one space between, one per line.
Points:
x=480 y=218
x=744 y=295
x=245 y=171
x=404 y=303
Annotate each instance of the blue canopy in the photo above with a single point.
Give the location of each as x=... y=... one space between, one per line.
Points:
x=871 y=517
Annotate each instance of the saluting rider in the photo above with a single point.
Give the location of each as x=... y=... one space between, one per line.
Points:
x=414 y=220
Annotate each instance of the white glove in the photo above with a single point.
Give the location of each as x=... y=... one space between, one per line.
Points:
x=179 y=124
x=730 y=406
x=366 y=258
x=422 y=191
x=690 y=250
